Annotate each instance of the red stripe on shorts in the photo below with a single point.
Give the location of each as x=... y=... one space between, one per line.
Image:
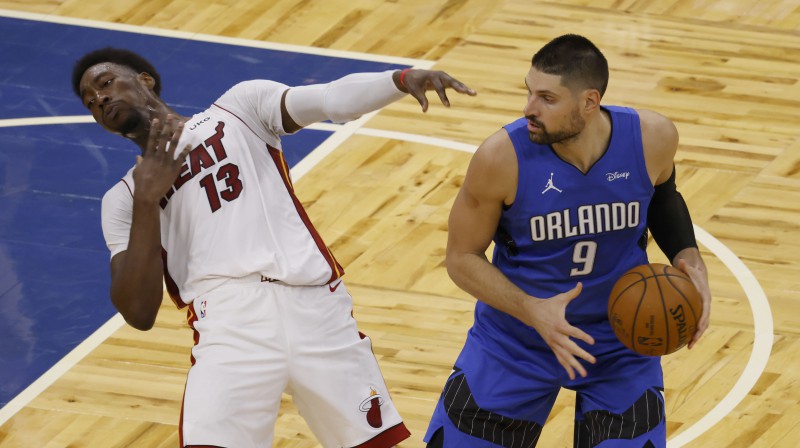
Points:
x=172 y=287
x=388 y=438
x=180 y=421
x=191 y=318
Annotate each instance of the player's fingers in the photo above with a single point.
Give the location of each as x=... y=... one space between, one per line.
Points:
x=163 y=140
x=567 y=366
x=152 y=138
x=166 y=131
x=421 y=98
x=439 y=88
x=702 y=326
x=682 y=266
x=176 y=135
x=695 y=338
x=579 y=368
x=571 y=364
x=186 y=150
x=418 y=92
x=574 y=292
x=577 y=333
x=567 y=343
x=576 y=350
x=458 y=86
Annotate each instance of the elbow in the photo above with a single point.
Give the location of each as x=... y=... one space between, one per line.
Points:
x=135 y=314
x=463 y=266
x=141 y=323
x=451 y=263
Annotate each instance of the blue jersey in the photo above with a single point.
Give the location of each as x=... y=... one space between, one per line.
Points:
x=566 y=227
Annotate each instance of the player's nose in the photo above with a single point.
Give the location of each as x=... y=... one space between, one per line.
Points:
x=530 y=108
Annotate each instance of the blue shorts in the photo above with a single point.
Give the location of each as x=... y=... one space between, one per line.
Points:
x=500 y=394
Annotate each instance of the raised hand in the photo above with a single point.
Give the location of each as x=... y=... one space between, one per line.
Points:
x=548 y=317
x=417 y=82
x=160 y=164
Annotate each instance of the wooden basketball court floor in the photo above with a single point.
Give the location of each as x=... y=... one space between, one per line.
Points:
x=725 y=71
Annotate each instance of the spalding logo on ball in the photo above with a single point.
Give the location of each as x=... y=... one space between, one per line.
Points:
x=654 y=309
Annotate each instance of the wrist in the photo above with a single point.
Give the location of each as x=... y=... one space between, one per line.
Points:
x=525 y=310
x=399 y=78
x=143 y=201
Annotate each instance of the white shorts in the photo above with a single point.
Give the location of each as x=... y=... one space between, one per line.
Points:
x=255 y=340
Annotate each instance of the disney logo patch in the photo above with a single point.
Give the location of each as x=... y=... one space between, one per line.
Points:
x=617 y=175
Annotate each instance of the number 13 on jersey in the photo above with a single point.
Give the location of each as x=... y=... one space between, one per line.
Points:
x=229 y=174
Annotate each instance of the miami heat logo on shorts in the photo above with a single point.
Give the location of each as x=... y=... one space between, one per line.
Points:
x=372 y=406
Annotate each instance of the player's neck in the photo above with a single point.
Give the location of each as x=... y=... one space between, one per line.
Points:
x=157 y=110
x=586 y=148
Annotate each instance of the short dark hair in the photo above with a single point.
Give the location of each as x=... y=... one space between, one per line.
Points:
x=119 y=56
x=576 y=59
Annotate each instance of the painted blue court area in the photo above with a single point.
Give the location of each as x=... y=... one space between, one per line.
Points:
x=54 y=274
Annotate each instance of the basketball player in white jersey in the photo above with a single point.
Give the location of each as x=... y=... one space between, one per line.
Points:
x=209 y=208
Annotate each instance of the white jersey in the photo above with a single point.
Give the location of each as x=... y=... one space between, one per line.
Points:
x=232 y=211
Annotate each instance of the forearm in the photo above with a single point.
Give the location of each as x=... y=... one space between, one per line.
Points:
x=476 y=275
x=137 y=283
x=344 y=99
x=669 y=220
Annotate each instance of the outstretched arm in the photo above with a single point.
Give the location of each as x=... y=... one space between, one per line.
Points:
x=354 y=95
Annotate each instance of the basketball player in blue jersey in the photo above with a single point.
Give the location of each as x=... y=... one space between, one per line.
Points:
x=567 y=193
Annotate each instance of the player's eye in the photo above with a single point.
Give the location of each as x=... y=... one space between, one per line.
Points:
x=108 y=82
x=89 y=104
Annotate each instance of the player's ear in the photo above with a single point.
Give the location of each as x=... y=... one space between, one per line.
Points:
x=146 y=80
x=591 y=100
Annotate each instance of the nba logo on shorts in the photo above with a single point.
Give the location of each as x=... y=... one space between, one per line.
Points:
x=202 y=309
x=372 y=406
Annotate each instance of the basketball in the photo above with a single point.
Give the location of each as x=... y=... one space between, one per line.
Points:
x=654 y=309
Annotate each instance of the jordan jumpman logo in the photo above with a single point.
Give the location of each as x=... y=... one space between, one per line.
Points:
x=550 y=185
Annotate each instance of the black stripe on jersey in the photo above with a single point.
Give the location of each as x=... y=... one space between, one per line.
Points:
x=598 y=426
x=470 y=418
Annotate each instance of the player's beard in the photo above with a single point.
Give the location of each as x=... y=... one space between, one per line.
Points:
x=133 y=122
x=544 y=137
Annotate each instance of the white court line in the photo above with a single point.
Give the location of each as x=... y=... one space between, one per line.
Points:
x=344 y=132
x=11 y=122
x=348 y=129
x=762 y=343
x=416 y=138
x=419 y=63
x=60 y=368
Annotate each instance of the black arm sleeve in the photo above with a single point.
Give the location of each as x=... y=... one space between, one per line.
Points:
x=669 y=220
